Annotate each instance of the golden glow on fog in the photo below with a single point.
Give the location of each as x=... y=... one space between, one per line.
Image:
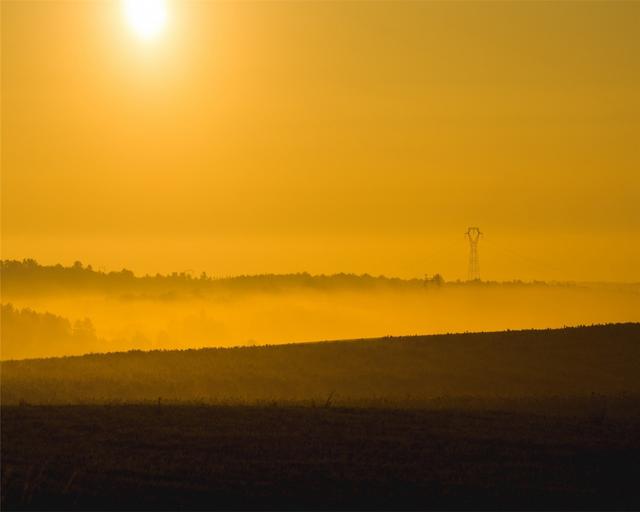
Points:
x=146 y=17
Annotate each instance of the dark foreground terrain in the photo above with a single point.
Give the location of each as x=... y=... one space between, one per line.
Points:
x=506 y=420
x=291 y=457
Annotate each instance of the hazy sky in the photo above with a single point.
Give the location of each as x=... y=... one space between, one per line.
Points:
x=281 y=136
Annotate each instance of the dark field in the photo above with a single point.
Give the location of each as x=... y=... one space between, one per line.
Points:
x=402 y=371
x=223 y=457
x=507 y=420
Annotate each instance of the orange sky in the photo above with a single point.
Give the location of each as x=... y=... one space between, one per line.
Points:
x=325 y=136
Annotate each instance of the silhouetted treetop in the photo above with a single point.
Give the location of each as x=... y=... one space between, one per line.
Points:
x=27 y=276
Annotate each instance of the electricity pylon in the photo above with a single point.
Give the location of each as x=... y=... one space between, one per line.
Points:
x=473 y=235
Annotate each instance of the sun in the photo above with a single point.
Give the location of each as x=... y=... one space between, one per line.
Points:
x=146 y=17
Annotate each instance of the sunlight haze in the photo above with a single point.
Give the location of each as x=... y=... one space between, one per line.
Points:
x=147 y=17
x=249 y=137
x=311 y=255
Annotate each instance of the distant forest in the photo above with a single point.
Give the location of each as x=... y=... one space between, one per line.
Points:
x=25 y=330
x=55 y=310
x=28 y=277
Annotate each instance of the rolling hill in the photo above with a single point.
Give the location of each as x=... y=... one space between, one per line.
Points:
x=580 y=361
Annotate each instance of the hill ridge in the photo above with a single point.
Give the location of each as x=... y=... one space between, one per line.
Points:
x=387 y=338
x=556 y=362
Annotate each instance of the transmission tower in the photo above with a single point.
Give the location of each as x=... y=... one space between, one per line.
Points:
x=473 y=235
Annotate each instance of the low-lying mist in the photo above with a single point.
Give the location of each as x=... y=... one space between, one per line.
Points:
x=54 y=311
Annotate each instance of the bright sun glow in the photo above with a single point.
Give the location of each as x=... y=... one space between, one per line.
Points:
x=146 y=17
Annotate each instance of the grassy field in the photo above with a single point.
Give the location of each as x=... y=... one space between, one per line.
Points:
x=215 y=457
x=508 y=420
x=401 y=370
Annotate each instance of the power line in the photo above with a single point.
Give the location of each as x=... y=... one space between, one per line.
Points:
x=473 y=235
